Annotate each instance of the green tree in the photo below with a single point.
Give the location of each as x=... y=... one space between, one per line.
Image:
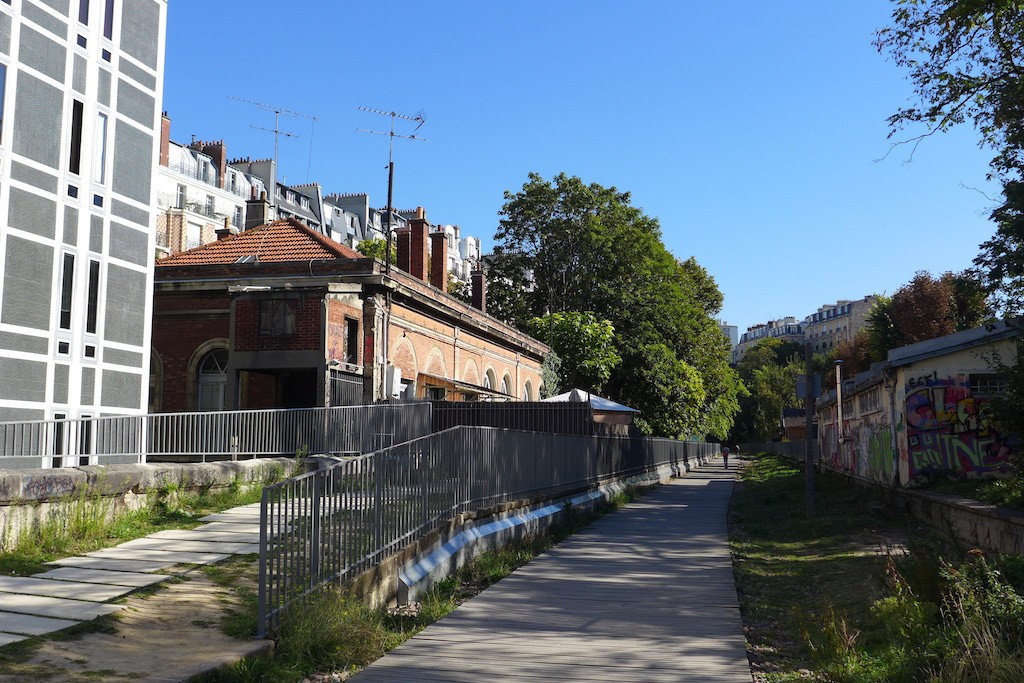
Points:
x=965 y=59
x=376 y=247
x=584 y=344
x=566 y=246
x=768 y=370
x=926 y=308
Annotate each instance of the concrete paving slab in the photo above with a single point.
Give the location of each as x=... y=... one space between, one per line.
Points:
x=191 y=546
x=133 y=580
x=606 y=604
x=61 y=608
x=119 y=553
x=8 y=638
x=91 y=592
x=245 y=528
x=203 y=534
x=112 y=565
x=31 y=625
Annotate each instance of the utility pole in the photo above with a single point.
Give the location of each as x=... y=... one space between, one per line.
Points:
x=808 y=427
x=391 y=134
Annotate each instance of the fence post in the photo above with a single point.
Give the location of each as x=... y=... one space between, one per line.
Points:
x=262 y=627
x=314 y=541
x=425 y=483
x=378 y=500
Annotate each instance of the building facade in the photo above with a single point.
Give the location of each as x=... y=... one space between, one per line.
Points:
x=280 y=316
x=924 y=412
x=835 y=323
x=81 y=85
x=786 y=329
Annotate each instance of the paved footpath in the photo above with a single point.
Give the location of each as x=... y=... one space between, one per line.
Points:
x=81 y=588
x=645 y=594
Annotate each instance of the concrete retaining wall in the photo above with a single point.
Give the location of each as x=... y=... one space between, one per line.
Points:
x=29 y=497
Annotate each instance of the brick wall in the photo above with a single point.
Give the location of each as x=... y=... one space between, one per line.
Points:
x=182 y=323
x=307 y=311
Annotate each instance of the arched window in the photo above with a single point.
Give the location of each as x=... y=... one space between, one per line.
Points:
x=489 y=379
x=212 y=380
x=528 y=391
x=506 y=385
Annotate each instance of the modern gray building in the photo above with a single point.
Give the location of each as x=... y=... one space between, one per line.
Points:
x=80 y=89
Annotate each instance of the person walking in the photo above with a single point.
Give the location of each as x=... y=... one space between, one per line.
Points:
x=725 y=456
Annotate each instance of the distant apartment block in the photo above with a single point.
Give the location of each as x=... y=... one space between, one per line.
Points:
x=786 y=329
x=80 y=94
x=731 y=332
x=835 y=323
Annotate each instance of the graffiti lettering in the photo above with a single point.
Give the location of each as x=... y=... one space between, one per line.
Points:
x=948 y=429
x=47 y=486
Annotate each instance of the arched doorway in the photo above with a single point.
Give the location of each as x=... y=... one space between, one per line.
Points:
x=212 y=380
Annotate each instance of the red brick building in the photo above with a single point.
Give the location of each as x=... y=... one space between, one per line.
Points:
x=281 y=316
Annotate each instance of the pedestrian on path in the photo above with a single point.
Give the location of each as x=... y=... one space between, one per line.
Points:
x=725 y=456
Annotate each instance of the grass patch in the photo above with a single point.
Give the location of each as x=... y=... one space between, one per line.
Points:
x=85 y=522
x=334 y=632
x=1006 y=492
x=859 y=594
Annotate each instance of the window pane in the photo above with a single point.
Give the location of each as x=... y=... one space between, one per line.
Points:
x=108 y=20
x=3 y=89
x=83 y=11
x=94 y=297
x=75 y=161
x=101 y=148
x=67 y=291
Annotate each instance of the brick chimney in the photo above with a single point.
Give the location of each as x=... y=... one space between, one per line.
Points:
x=479 y=286
x=218 y=152
x=439 y=260
x=402 y=240
x=228 y=230
x=165 y=140
x=257 y=211
x=418 y=251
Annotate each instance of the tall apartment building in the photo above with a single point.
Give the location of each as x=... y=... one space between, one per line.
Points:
x=80 y=89
x=838 y=322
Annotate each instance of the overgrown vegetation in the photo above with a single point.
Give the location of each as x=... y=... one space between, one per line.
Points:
x=86 y=521
x=336 y=633
x=858 y=594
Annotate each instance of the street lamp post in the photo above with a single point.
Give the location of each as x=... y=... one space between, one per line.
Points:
x=839 y=404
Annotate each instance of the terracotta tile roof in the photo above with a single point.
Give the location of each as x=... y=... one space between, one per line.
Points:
x=280 y=241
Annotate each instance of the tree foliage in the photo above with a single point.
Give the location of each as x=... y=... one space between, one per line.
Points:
x=567 y=246
x=965 y=59
x=925 y=308
x=768 y=370
x=376 y=247
x=584 y=344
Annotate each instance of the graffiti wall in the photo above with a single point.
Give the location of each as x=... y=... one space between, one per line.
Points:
x=948 y=429
x=866 y=449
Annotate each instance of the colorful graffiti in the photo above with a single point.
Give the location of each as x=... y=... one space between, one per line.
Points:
x=866 y=449
x=948 y=430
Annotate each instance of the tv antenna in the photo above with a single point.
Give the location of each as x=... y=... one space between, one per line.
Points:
x=276 y=130
x=391 y=164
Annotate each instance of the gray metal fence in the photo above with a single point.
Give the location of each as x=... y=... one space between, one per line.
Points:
x=324 y=527
x=198 y=437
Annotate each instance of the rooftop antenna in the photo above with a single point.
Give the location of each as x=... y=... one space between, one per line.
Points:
x=391 y=165
x=276 y=130
x=387 y=219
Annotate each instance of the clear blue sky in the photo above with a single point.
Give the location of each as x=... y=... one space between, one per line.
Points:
x=752 y=130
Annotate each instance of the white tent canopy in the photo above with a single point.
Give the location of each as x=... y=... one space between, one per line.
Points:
x=596 y=402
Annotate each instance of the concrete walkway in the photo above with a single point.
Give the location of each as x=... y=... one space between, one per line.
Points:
x=82 y=587
x=645 y=594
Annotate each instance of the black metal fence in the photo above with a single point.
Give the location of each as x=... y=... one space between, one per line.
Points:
x=536 y=416
x=327 y=526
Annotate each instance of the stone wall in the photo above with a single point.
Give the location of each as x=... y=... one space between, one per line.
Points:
x=29 y=497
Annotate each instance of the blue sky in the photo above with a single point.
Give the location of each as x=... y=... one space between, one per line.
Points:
x=752 y=130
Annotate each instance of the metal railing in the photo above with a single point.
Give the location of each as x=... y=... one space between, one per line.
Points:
x=199 y=437
x=325 y=527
